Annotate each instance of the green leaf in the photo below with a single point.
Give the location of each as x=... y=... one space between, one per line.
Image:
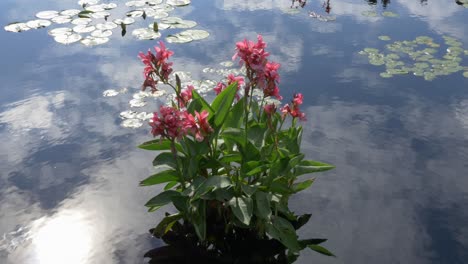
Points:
x=301 y=221
x=300 y=186
x=160 y=177
x=282 y=230
x=165 y=159
x=200 y=104
x=178 y=85
x=85 y=14
x=248 y=189
x=169 y=185
x=199 y=218
x=311 y=166
x=162 y=198
x=231 y=158
x=124 y=29
x=223 y=103
x=281 y=186
x=321 y=250
x=236 y=115
x=242 y=208
x=144 y=15
x=236 y=135
x=159 y=144
x=211 y=184
x=165 y=225
x=155 y=27
x=263 y=207
x=312 y=241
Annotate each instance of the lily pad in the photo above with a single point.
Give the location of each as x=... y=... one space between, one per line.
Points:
x=47 y=14
x=135 y=13
x=109 y=6
x=178 y=2
x=70 y=12
x=135 y=3
x=101 y=14
x=369 y=14
x=227 y=63
x=38 y=23
x=132 y=123
x=99 y=33
x=110 y=93
x=389 y=14
x=106 y=26
x=88 y=2
x=465 y=74
x=67 y=38
x=158 y=14
x=61 y=19
x=384 y=38
x=94 y=41
x=125 y=21
x=154 y=2
x=145 y=34
x=137 y=103
x=196 y=34
x=60 y=31
x=16 y=27
x=83 y=28
x=81 y=21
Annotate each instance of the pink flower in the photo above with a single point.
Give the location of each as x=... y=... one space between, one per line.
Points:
x=185 y=96
x=169 y=124
x=157 y=64
x=149 y=82
x=219 y=88
x=198 y=125
x=253 y=55
x=162 y=54
x=269 y=109
x=294 y=110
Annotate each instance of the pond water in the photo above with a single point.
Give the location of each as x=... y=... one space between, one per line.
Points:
x=70 y=171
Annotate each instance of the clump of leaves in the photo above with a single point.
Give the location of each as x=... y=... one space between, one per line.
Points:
x=229 y=166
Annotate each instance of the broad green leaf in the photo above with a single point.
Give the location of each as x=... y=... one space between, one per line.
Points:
x=282 y=230
x=301 y=221
x=236 y=135
x=178 y=85
x=281 y=186
x=262 y=203
x=162 y=198
x=223 y=103
x=248 y=189
x=236 y=115
x=231 y=158
x=169 y=185
x=160 y=177
x=321 y=250
x=211 y=184
x=159 y=144
x=199 y=218
x=242 y=208
x=312 y=241
x=203 y=104
x=165 y=225
x=165 y=158
x=300 y=186
x=310 y=166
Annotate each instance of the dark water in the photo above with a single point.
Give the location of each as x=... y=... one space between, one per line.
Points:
x=69 y=172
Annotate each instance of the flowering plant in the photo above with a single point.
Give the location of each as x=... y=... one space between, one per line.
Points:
x=229 y=166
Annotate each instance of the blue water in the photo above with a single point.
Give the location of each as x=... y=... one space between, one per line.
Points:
x=69 y=171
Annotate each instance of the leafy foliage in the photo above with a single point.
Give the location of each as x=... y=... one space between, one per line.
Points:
x=231 y=172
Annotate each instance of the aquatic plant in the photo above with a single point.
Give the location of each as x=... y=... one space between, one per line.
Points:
x=229 y=166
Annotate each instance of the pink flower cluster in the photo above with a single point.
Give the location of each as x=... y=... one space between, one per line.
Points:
x=231 y=79
x=156 y=65
x=173 y=124
x=293 y=109
x=261 y=72
x=185 y=96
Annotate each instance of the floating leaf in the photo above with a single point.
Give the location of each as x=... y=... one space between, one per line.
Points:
x=384 y=38
x=132 y=123
x=70 y=12
x=60 y=31
x=102 y=14
x=61 y=19
x=178 y=2
x=94 y=41
x=67 y=38
x=127 y=114
x=38 y=23
x=81 y=21
x=106 y=26
x=83 y=28
x=110 y=93
x=389 y=14
x=135 y=13
x=158 y=14
x=227 y=63
x=135 y=3
x=145 y=34
x=47 y=14
x=101 y=33
x=369 y=14
x=125 y=21
x=16 y=27
x=465 y=74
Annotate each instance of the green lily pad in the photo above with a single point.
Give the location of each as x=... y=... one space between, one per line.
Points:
x=369 y=14
x=38 y=23
x=145 y=34
x=101 y=14
x=384 y=38
x=70 y=12
x=465 y=74
x=81 y=21
x=61 y=19
x=125 y=21
x=385 y=75
x=135 y=3
x=196 y=34
x=60 y=31
x=135 y=13
x=83 y=28
x=99 y=33
x=389 y=14
x=106 y=26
